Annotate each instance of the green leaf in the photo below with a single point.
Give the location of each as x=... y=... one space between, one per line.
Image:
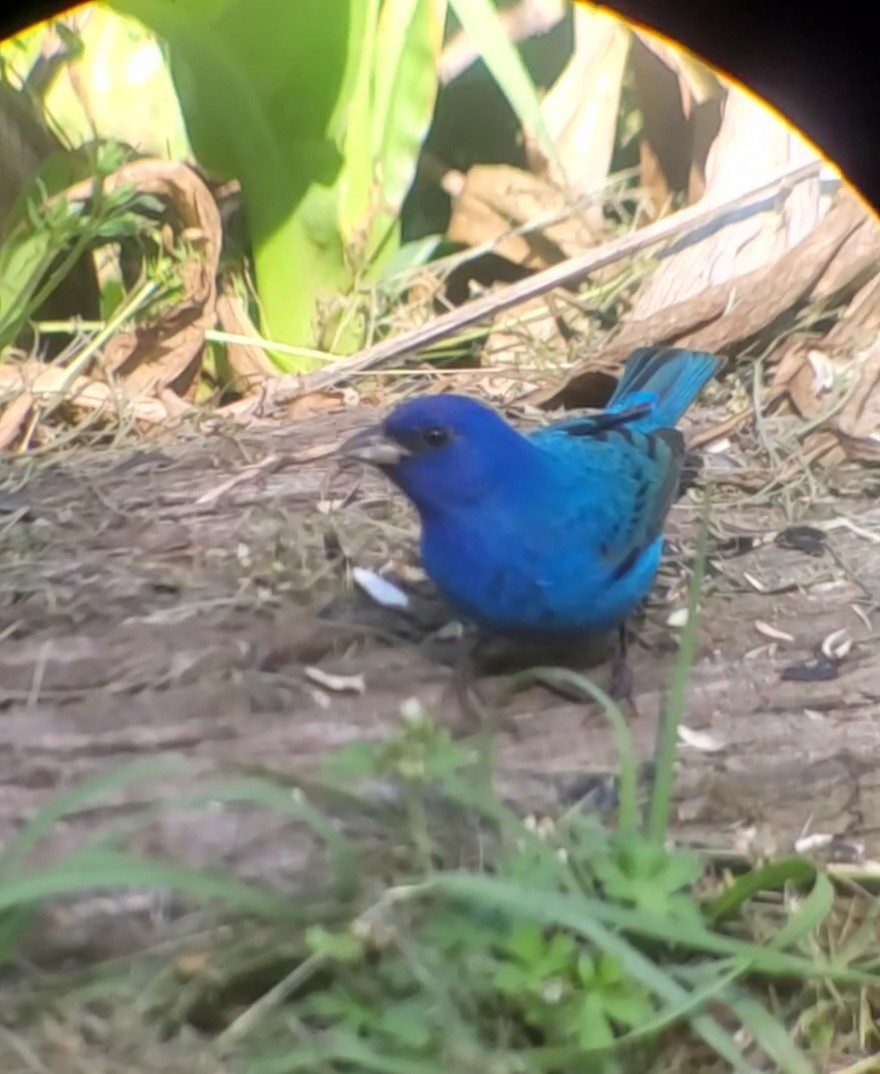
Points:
x=124 y=88
x=409 y=41
x=605 y=926
x=558 y=954
x=590 y=1024
x=582 y=916
x=354 y=761
x=24 y=261
x=627 y=1005
x=341 y=1008
x=291 y=99
x=526 y=943
x=512 y=980
x=263 y=86
x=407 y=1024
x=36 y=235
x=645 y=873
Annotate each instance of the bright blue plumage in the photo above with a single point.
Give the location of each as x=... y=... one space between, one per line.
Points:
x=558 y=532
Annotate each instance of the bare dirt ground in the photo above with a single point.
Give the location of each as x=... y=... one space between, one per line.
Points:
x=170 y=599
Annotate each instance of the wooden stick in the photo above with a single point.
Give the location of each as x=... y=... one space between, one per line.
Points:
x=571 y=271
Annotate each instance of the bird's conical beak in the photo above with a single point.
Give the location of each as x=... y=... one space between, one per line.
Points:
x=373 y=446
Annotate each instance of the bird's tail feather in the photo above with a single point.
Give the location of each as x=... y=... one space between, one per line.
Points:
x=667 y=378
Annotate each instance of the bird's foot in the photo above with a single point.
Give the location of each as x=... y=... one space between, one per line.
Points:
x=476 y=715
x=467 y=695
x=621 y=687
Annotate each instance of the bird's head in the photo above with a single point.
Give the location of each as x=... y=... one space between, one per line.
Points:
x=443 y=451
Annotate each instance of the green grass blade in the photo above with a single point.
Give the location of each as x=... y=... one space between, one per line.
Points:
x=813 y=910
x=480 y=21
x=356 y=1055
x=675 y=704
x=105 y=869
x=697 y=999
x=769 y=1034
x=84 y=795
x=770 y=877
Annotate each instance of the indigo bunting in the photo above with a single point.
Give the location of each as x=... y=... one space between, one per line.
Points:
x=558 y=532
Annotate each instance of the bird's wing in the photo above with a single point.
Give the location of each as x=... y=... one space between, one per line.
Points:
x=591 y=424
x=626 y=479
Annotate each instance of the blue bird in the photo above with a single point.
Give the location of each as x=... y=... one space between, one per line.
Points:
x=555 y=533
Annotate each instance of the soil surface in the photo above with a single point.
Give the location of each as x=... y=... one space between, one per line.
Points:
x=173 y=599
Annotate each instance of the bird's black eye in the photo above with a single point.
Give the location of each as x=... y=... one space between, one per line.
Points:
x=435 y=437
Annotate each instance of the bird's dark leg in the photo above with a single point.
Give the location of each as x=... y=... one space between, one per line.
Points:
x=476 y=715
x=465 y=673
x=621 y=688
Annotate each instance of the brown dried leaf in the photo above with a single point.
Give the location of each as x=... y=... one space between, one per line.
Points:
x=580 y=110
x=14 y=418
x=498 y=198
x=307 y=406
x=807 y=373
x=167 y=353
x=681 y=103
x=858 y=424
x=804 y=375
x=272 y=396
x=43 y=383
x=752 y=144
x=249 y=363
x=697 y=83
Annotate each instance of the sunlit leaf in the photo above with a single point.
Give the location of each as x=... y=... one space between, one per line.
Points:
x=318 y=108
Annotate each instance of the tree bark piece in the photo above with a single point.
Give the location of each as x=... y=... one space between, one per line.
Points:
x=728 y=315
